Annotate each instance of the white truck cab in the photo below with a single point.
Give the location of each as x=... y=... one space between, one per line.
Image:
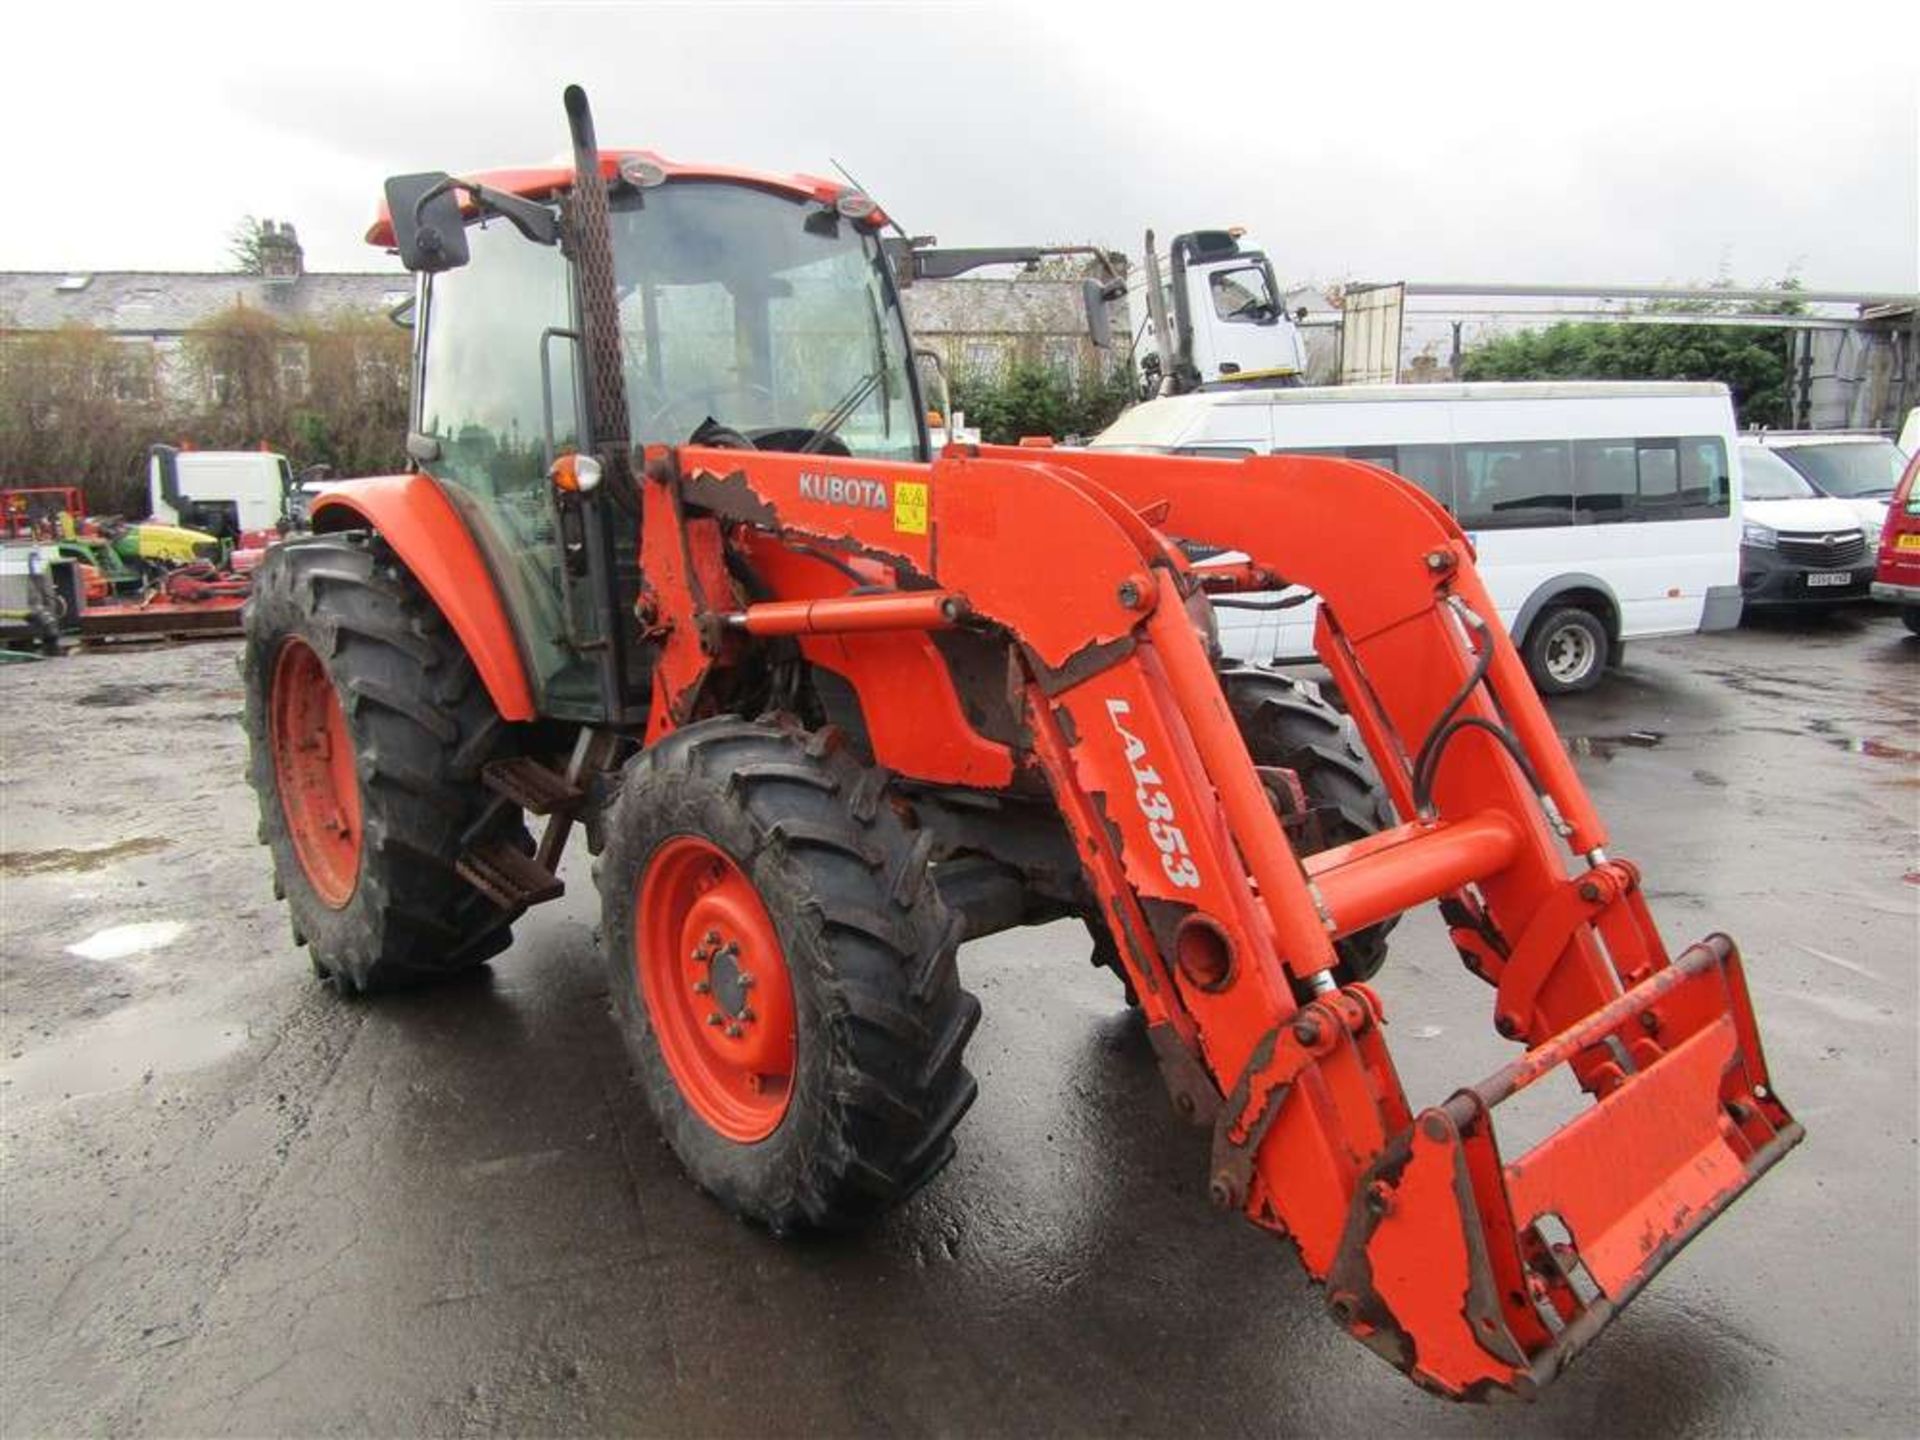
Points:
x=1216 y=317
x=228 y=493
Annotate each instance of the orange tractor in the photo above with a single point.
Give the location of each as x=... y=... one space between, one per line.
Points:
x=674 y=565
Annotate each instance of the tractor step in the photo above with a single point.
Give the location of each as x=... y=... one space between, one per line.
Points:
x=509 y=877
x=536 y=788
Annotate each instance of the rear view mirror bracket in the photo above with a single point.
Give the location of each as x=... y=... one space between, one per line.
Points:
x=430 y=227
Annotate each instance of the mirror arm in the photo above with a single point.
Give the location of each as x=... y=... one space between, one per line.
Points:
x=530 y=218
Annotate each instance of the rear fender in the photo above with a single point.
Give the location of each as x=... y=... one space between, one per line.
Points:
x=413 y=516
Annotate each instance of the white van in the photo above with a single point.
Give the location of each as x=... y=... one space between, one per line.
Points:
x=1798 y=546
x=1601 y=512
x=1857 y=467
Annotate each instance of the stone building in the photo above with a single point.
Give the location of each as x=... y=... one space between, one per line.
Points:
x=150 y=313
x=981 y=327
x=978 y=326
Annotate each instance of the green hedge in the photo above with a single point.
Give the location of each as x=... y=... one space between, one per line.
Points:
x=1028 y=399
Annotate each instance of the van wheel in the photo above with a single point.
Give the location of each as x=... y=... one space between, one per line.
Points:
x=1566 y=651
x=1910 y=617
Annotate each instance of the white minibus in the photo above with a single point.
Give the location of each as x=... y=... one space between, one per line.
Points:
x=1601 y=512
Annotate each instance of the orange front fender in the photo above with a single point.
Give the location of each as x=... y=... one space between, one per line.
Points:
x=426 y=532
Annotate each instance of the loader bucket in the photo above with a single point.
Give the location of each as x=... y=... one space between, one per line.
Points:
x=1478 y=1275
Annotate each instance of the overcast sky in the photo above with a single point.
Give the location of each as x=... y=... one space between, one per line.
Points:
x=1544 y=142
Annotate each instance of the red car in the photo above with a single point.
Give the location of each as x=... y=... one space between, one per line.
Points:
x=1896 y=579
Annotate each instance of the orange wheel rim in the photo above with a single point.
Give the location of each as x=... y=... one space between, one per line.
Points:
x=313 y=765
x=715 y=980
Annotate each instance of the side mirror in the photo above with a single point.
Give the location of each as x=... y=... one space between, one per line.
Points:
x=1099 y=324
x=428 y=228
x=899 y=255
x=931 y=365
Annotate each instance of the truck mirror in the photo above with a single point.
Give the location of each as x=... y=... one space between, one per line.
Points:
x=428 y=229
x=931 y=366
x=1099 y=326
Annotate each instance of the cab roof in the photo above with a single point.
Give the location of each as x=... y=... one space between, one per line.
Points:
x=542 y=182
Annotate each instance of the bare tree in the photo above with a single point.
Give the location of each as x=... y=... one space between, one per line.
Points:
x=243 y=246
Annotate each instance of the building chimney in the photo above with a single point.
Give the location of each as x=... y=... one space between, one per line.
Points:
x=280 y=254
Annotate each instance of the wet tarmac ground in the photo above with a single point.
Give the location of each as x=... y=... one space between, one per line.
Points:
x=234 y=1204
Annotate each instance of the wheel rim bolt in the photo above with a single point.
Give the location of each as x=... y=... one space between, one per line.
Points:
x=701 y=987
x=716 y=1018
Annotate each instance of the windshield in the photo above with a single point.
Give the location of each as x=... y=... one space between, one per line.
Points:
x=1242 y=293
x=768 y=315
x=1853 y=470
x=1765 y=476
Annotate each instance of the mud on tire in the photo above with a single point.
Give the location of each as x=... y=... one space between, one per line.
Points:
x=1286 y=723
x=421 y=724
x=879 y=1018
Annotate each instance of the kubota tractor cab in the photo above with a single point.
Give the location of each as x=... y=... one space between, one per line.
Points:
x=673 y=565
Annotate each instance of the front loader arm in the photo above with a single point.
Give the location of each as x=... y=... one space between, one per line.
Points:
x=1473 y=1273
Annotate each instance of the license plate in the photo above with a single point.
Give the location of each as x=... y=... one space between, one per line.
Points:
x=1909 y=541
x=1819 y=578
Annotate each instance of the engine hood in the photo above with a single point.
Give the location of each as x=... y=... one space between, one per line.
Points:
x=1812 y=516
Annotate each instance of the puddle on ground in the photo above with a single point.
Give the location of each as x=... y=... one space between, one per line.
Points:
x=93 y=857
x=1605 y=747
x=128 y=1048
x=121 y=941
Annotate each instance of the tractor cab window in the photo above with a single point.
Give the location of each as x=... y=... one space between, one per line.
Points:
x=768 y=315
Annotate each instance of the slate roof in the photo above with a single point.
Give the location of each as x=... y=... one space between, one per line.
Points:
x=159 y=303
x=169 y=303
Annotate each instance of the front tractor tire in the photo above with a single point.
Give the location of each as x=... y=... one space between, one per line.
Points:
x=784 y=974
x=367 y=727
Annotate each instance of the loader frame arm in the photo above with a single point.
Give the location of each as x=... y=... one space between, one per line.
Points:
x=1471 y=1273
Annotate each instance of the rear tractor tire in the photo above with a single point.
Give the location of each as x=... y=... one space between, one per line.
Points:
x=1288 y=725
x=783 y=974
x=367 y=727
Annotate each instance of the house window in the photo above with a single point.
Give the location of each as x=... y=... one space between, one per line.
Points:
x=985 y=357
x=131 y=375
x=294 y=378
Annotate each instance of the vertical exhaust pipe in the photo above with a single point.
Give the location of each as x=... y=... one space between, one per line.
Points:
x=592 y=241
x=612 y=540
